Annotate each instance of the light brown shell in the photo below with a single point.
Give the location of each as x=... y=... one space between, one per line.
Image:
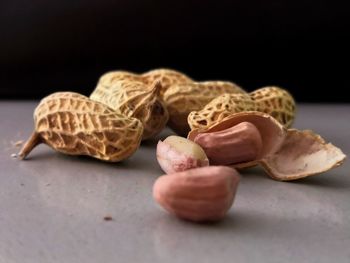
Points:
x=219 y=108
x=181 y=99
x=277 y=102
x=167 y=77
x=109 y=78
x=73 y=124
x=287 y=154
x=135 y=99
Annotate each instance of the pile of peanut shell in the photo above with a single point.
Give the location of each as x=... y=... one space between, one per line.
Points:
x=226 y=128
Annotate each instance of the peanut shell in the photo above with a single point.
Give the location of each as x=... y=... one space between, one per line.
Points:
x=183 y=98
x=219 y=108
x=277 y=102
x=167 y=77
x=73 y=124
x=135 y=99
x=109 y=78
x=286 y=154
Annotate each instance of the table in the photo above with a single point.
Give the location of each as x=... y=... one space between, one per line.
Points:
x=53 y=206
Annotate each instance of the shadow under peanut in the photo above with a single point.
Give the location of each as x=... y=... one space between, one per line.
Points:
x=173 y=237
x=143 y=159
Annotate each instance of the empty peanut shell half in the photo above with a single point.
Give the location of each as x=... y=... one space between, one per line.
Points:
x=285 y=154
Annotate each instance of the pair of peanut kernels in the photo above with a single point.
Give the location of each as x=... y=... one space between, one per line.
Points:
x=206 y=193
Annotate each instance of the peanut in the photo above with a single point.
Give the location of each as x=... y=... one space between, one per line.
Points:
x=271 y=100
x=109 y=78
x=277 y=102
x=176 y=154
x=134 y=99
x=180 y=93
x=181 y=99
x=240 y=143
x=219 y=108
x=284 y=154
x=200 y=194
x=73 y=124
x=167 y=78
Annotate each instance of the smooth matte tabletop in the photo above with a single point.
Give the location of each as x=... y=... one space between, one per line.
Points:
x=53 y=206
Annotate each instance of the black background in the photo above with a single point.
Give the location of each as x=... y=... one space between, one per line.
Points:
x=48 y=46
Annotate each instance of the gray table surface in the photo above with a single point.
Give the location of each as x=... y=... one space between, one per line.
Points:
x=52 y=206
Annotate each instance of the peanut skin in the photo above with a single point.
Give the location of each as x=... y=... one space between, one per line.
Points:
x=201 y=194
x=177 y=154
x=240 y=143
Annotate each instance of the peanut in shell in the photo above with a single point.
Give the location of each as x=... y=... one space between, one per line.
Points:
x=73 y=124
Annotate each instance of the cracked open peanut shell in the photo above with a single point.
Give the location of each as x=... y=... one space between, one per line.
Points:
x=286 y=154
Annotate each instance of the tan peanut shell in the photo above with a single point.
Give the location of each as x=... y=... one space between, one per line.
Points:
x=109 y=78
x=73 y=124
x=135 y=99
x=167 y=78
x=200 y=194
x=183 y=98
x=219 y=108
x=286 y=154
x=277 y=102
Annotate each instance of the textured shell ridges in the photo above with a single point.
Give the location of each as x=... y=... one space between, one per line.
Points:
x=133 y=99
x=73 y=124
x=194 y=96
x=167 y=77
x=219 y=108
x=181 y=99
x=277 y=102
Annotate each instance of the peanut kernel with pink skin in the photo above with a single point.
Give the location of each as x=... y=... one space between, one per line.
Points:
x=176 y=154
x=201 y=194
x=240 y=143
